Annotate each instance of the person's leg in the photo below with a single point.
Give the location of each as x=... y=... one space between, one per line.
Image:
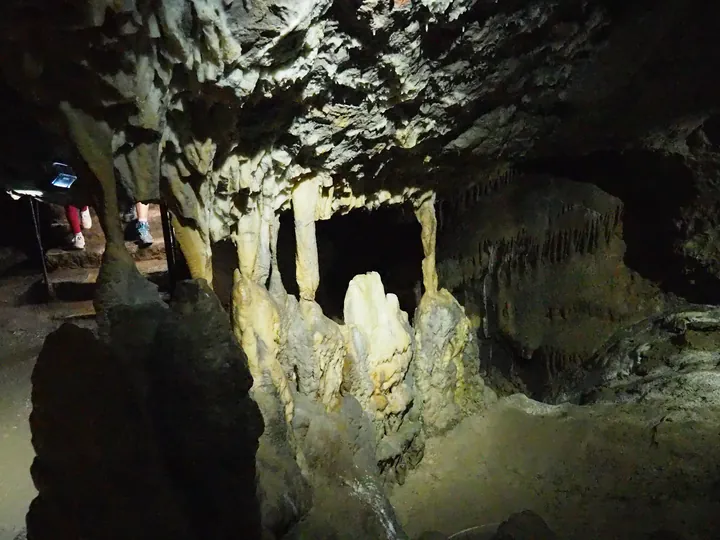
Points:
x=73 y=217
x=86 y=218
x=142 y=211
x=145 y=239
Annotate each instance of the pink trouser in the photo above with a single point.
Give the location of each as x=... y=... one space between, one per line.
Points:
x=73 y=217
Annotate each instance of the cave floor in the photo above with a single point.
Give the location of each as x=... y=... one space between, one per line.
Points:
x=24 y=323
x=603 y=471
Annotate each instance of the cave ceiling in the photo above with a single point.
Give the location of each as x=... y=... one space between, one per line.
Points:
x=218 y=102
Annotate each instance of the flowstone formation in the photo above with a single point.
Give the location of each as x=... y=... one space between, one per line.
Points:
x=409 y=380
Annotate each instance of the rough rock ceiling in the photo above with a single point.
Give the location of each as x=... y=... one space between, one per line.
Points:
x=374 y=97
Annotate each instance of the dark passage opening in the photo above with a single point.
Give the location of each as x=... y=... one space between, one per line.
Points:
x=386 y=241
x=225 y=261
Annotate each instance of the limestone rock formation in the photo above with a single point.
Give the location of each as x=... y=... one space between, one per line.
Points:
x=235 y=104
x=206 y=420
x=349 y=498
x=107 y=482
x=382 y=347
x=233 y=112
x=172 y=448
x=538 y=263
x=446 y=367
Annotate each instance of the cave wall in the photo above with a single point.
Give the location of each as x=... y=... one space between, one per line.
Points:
x=539 y=263
x=235 y=113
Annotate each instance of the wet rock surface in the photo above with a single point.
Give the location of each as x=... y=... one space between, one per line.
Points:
x=349 y=495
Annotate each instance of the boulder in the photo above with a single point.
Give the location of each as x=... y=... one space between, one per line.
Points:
x=525 y=525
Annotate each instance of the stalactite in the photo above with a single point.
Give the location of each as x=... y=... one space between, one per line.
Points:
x=195 y=248
x=305 y=198
x=526 y=251
x=425 y=212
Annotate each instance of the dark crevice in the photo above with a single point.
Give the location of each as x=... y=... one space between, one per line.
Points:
x=711 y=128
x=386 y=241
x=224 y=262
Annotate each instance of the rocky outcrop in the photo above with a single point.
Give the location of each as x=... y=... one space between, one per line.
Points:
x=171 y=452
x=79 y=382
x=670 y=360
x=206 y=420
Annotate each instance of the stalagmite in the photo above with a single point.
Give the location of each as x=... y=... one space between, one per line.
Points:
x=305 y=198
x=119 y=281
x=256 y=322
x=425 y=213
x=315 y=350
x=247 y=242
x=381 y=344
x=446 y=365
x=256 y=315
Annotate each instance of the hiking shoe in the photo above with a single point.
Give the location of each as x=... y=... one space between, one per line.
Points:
x=86 y=219
x=78 y=241
x=145 y=239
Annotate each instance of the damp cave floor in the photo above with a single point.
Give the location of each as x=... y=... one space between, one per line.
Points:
x=600 y=472
x=605 y=472
x=25 y=321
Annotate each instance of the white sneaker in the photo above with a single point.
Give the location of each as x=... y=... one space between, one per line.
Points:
x=78 y=241
x=86 y=219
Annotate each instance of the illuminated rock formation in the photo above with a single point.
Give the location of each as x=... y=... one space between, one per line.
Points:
x=235 y=113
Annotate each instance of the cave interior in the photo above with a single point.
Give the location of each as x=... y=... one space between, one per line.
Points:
x=428 y=269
